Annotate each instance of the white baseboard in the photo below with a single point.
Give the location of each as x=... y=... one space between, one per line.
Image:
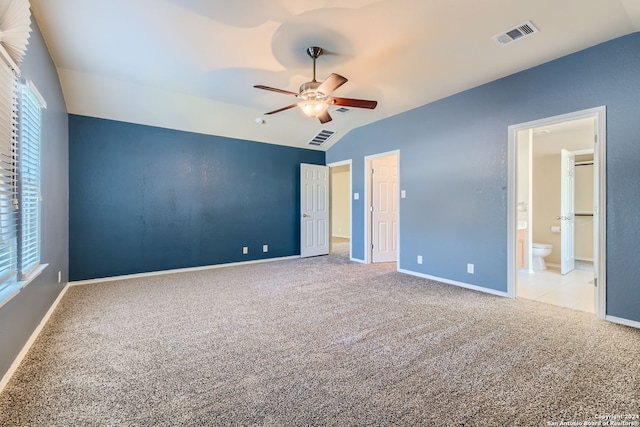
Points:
x=357 y=260
x=455 y=283
x=177 y=270
x=34 y=335
x=622 y=321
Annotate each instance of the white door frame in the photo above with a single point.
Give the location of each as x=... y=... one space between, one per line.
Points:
x=367 y=201
x=600 y=199
x=567 y=215
x=333 y=165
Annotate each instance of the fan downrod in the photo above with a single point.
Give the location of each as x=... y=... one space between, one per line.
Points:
x=314 y=52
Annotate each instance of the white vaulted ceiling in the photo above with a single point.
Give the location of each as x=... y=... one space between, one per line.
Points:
x=191 y=64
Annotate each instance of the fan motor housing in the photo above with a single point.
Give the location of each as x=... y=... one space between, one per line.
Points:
x=309 y=90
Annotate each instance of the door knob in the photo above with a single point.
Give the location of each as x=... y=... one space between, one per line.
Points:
x=306 y=216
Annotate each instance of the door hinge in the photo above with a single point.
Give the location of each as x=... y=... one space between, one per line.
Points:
x=371 y=208
x=371 y=171
x=372 y=246
x=595 y=138
x=595 y=282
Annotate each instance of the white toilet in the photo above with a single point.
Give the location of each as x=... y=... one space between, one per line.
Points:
x=538 y=252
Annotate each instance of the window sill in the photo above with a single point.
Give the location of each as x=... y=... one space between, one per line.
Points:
x=14 y=289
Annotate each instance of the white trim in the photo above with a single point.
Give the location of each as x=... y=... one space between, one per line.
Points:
x=177 y=270
x=36 y=92
x=360 y=261
x=600 y=165
x=340 y=163
x=621 y=321
x=600 y=114
x=34 y=335
x=14 y=289
x=367 y=201
x=455 y=283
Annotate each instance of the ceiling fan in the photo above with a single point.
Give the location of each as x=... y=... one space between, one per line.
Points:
x=315 y=96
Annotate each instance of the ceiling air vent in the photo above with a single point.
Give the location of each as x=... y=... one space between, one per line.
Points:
x=341 y=110
x=321 y=137
x=516 y=33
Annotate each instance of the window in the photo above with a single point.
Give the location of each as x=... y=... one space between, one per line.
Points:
x=8 y=179
x=20 y=198
x=29 y=119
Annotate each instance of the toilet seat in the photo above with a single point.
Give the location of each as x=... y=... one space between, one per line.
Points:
x=541 y=245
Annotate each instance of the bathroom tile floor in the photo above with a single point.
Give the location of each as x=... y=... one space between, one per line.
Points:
x=573 y=290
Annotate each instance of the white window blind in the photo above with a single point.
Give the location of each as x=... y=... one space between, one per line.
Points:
x=8 y=181
x=29 y=120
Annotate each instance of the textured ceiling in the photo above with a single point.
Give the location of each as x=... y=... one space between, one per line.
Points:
x=191 y=64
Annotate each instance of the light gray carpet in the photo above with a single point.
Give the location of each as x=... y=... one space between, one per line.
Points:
x=318 y=341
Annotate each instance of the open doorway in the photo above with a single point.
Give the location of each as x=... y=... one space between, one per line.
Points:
x=382 y=199
x=340 y=207
x=557 y=209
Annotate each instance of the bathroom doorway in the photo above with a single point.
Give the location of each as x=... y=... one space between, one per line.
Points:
x=546 y=232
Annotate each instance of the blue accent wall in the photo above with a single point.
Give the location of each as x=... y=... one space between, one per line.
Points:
x=146 y=199
x=453 y=166
x=20 y=316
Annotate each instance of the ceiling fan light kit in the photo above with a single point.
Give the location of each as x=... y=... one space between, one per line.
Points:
x=315 y=95
x=313 y=108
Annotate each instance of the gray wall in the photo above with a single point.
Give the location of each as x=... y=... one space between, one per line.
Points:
x=453 y=166
x=21 y=315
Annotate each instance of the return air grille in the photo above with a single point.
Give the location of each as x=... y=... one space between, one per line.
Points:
x=516 y=33
x=321 y=137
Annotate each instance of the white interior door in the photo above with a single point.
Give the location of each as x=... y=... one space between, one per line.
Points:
x=567 y=210
x=384 y=209
x=314 y=210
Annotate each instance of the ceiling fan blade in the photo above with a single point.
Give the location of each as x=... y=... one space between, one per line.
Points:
x=351 y=102
x=325 y=117
x=273 y=89
x=281 y=109
x=333 y=82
